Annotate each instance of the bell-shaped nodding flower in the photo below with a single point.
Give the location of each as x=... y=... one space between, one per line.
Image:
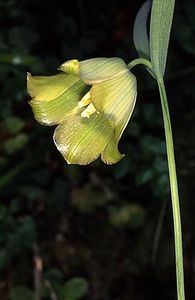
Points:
x=91 y=102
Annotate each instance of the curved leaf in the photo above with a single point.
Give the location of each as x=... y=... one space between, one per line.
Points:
x=140 y=35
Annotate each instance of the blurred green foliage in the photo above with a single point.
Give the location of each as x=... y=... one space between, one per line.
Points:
x=97 y=229
x=21 y=293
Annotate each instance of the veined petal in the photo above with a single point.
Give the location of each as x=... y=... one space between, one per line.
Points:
x=111 y=154
x=96 y=70
x=70 y=67
x=82 y=140
x=46 y=88
x=53 y=111
x=115 y=98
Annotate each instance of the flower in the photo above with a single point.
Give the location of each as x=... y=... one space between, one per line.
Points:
x=91 y=101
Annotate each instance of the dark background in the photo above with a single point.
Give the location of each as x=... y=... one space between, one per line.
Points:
x=98 y=232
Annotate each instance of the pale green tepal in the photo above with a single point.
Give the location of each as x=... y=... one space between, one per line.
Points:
x=91 y=102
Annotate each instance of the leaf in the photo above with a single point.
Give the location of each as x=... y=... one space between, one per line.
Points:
x=7 y=177
x=132 y=215
x=15 y=143
x=74 y=289
x=140 y=35
x=160 y=28
x=144 y=176
x=14 y=124
x=21 y=293
x=26 y=232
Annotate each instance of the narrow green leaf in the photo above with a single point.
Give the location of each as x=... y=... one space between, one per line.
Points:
x=160 y=28
x=140 y=35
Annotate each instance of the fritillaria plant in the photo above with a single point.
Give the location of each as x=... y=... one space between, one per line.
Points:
x=91 y=102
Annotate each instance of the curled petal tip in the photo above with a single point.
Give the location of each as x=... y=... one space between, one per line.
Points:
x=71 y=66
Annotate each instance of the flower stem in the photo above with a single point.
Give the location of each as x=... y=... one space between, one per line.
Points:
x=174 y=191
x=140 y=61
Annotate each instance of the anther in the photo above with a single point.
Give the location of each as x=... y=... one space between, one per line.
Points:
x=85 y=100
x=88 y=111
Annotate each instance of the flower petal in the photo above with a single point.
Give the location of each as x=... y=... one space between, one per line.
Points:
x=70 y=67
x=52 y=112
x=82 y=140
x=115 y=98
x=96 y=70
x=111 y=155
x=46 y=88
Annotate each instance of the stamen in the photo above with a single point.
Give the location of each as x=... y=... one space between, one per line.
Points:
x=88 y=111
x=85 y=100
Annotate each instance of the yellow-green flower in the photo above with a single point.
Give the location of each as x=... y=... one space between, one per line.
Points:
x=91 y=102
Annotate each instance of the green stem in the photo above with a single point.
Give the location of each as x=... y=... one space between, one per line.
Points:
x=174 y=191
x=172 y=177
x=140 y=61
